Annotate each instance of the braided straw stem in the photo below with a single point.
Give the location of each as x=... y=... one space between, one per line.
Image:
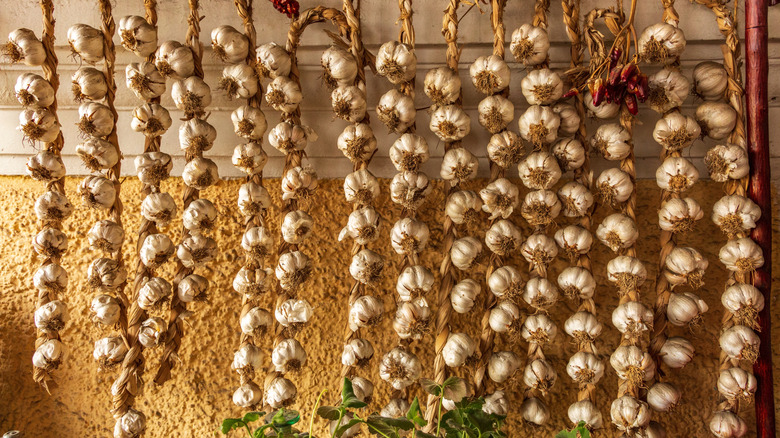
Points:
x=406 y=36
x=43 y=375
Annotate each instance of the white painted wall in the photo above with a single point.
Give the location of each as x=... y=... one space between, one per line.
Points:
x=379 y=25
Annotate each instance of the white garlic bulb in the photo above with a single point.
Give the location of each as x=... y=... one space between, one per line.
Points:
x=88 y=83
x=340 y=67
x=576 y=199
x=668 y=90
x=458 y=349
x=442 y=85
x=409 y=189
x=86 y=42
x=740 y=343
x=584 y=367
x=272 y=61
x=736 y=384
x=539 y=374
x=570 y=154
x=104 y=310
x=574 y=240
x=256 y=321
x=414 y=282
x=24 y=46
x=409 y=236
x=540 y=207
x=539 y=250
x=196 y=136
x=539 y=125
x=735 y=214
x=504 y=149
x=257 y=242
x=496 y=404
x=396 y=111
x=358 y=143
x=570 y=118
x=155 y=250
x=632 y=364
x=675 y=131
x=159 y=208
x=465 y=252
x=663 y=397
x=661 y=43
x=152 y=332
x=151 y=119
x=292 y=269
x=249 y=122
x=408 y=152
x=676 y=352
x=144 y=80
x=633 y=318
x=239 y=81
x=97 y=154
x=463 y=206
x=200 y=173
x=109 y=351
x=535 y=411
x=606 y=110
x=366 y=311
x=744 y=300
x=39 y=125
x=299 y=183
x=50 y=243
x=577 y=282
x=396 y=61
x=717 y=119
x=106 y=235
x=450 y=123
x=51 y=317
x=710 y=80
x=489 y=74
x=361 y=187
x=612 y=141
x=540 y=293
x=249 y=158
x=130 y=425
x=499 y=198
x=192 y=288
x=280 y=392
x=153 y=293
x=503 y=238
x=293 y=313
x=587 y=412
x=395 y=408
x=288 y=355
x=412 y=319
x=400 y=368
x=679 y=214
x=45 y=166
x=530 y=44
x=464 y=294
x=542 y=87
x=174 y=60
x=502 y=365
x=539 y=170
x=191 y=95
x=253 y=199
x=685 y=265
x=196 y=250
x=363 y=388
x=617 y=231
x=138 y=35
x=230 y=45
x=52 y=206
x=506 y=283
x=366 y=266
x=32 y=90
x=726 y=162
x=504 y=317
x=629 y=414
x=676 y=174
x=362 y=226
x=286 y=137
x=741 y=255
x=614 y=186
x=247 y=395
x=49 y=355
x=357 y=352
x=252 y=281
x=105 y=274
x=349 y=103
x=459 y=165
x=539 y=329
x=727 y=424
x=583 y=326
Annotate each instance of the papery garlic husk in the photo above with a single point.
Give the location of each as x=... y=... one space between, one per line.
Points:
x=86 y=42
x=496 y=404
x=450 y=123
x=409 y=189
x=678 y=215
x=95 y=119
x=458 y=349
x=395 y=408
x=740 y=343
x=106 y=235
x=504 y=317
x=144 y=80
x=191 y=95
x=292 y=270
x=137 y=35
x=661 y=43
x=293 y=312
x=442 y=85
x=614 y=186
x=230 y=45
x=239 y=81
x=412 y=319
x=362 y=226
x=296 y=227
x=583 y=326
x=632 y=318
x=717 y=119
x=253 y=199
x=570 y=119
x=339 y=65
x=737 y=384
x=539 y=374
x=174 y=60
x=272 y=61
x=196 y=250
x=676 y=175
x=489 y=74
x=39 y=125
x=585 y=411
x=675 y=131
x=49 y=355
x=109 y=351
x=256 y=322
x=540 y=207
x=288 y=355
x=357 y=352
x=51 y=317
x=676 y=352
x=668 y=90
x=539 y=329
x=464 y=294
x=632 y=365
x=159 y=208
x=727 y=424
x=32 y=90
x=628 y=273
x=104 y=310
x=130 y=425
x=88 y=83
x=539 y=125
x=630 y=414
x=741 y=255
x=459 y=165
x=152 y=332
x=153 y=293
x=539 y=170
x=349 y=103
x=358 y=143
x=725 y=162
x=97 y=154
x=617 y=231
x=612 y=141
x=397 y=62
x=396 y=111
x=745 y=302
x=463 y=207
x=503 y=238
x=200 y=173
x=196 y=136
x=50 y=243
x=192 y=288
x=249 y=158
x=400 y=368
x=499 y=198
x=407 y=153
x=414 y=282
x=247 y=395
x=535 y=411
x=540 y=293
x=249 y=122
x=574 y=240
x=539 y=250
x=542 y=87
x=363 y=388
x=606 y=110
x=584 y=367
x=97 y=192
x=530 y=45
x=685 y=265
x=299 y=183
x=280 y=392
x=570 y=154
x=735 y=214
x=105 y=274
x=576 y=199
x=24 y=46
x=155 y=250
x=710 y=80
x=366 y=266
x=505 y=149
x=52 y=206
x=45 y=166
x=465 y=252
x=409 y=236
x=286 y=137
x=502 y=365
x=577 y=282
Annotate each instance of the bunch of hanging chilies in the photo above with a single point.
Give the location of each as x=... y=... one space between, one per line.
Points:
x=610 y=86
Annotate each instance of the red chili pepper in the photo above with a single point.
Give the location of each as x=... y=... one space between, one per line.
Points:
x=628 y=72
x=642 y=89
x=600 y=92
x=632 y=85
x=571 y=93
x=614 y=76
x=614 y=57
x=631 y=104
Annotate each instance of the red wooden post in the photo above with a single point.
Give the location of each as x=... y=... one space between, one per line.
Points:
x=759 y=191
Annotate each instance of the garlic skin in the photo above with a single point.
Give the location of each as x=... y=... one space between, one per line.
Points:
x=676 y=352
x=363 y=388
x=539 y=250
x=710 y=80
x=409 y=236
x=249 y=122
x=272 y=61
x=24 y=46
x=362 y=226
x=196 y=250
x=361 y=187
x=366 y=266
x=463 y=207
x=540 y=293
x=504 y=317
x=574 y=240
x=196 y=135
x=495 y=113
x=539 y=329
x=253 y=199
x=542 y=87
x=583 y=326
x=741 y=255
x=34 y=91
x=499 y=198
x=154 y=292
x=661 y=43
x=607 y=110
x=496 y=404
x=299 y=182
x=489 y=74
x=155 y=250
x=737 y=384
x=570 y=119
x=247 y=395
x=397 y=62
x=137 y=35
x=414 y=282
x=505 y=149
x=95 y=119
x=288 y=355
x=106 y=235
x=503 y=238
x=174 y=60
x=351 y=432
x=230 y=45
x=105 y=274
x=292 y=270
x=286 y=137
x=293 y=313
x=349 y=103
x=357 y=353
x=442 y=86
x=725 y=162
x=577 y=282
x=629 y=361
x=51 y=317
x=49 y=355
x=45 y=166
x=744 y=300
x=52 y=206
x=668 y=90
x=159 y=208
x=130 y=425
x=584 y=367
x=109 y=351
x=249 y=158
x=400 y=368
x=539 y=125
x=465 y=252
x=459 y=165
x=339 y=65
x=191 y=95
x=540 y=207
x=239 y=81
x=412 y=319
x=570 y=154
x=200 y=173
x=358 y=143
x=366 y=311
x=38 y=125
x=632 y=318
x=717 y=119
x=97 y=154
x=252 y=281
x=86 y=42
x=617 y=231
x=192 y=288
x=676 y=175
x=586 y=411
x=280 y=392
x=539 y=171
x=458 y=349
x=530 y=45
x=144 y=80
x=151 y=119
x=685 y=265
x=539 y=374
x=450 y=123
x=678 y=215
x=535 y=411
x=88 y=83
x=675 y=131
x=727 y=424
x=104 y=310
x=256 y=321
x=50 y=243
x=395 y=408
x=464 y=294
x=740 y=343
x=50 y=278
x=629 y=414
x=735 y=214
x=502 y=366
x=152 y=332
x=576 y=199
x=612 y=141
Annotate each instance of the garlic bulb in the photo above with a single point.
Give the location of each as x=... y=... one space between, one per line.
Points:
x=465 y=252
x=540 y=293
x=52 y=206
x=737 y=384
x=144 y=79
x=153 y=293
x=39 y=125
x=249 y=158
x=499 y=198
x=152 y=332
x=397 y=62
x=576 y=199
x=502 y=365
x=247 y=395
x=735 y=214
x=463 y=295
x=577 y=282
x=540 y=207
x=685 y=265
x=288 y=355
x=200 y=173
x=539 y=250
x=196 y=136
x=539 y=374
x=530 y=44
x=253 y=199
x=463 y=206
x=24 y=46
x=32 y=90
x=272 y=61
x=96 y=119
x=740 y=343
x=51 y=317
x=459 y=165
x=105 y=274
x=239 y=81
x=292 y=269
x=505 y=149
x=668 y=90
x=726 y=162
x=280 y=392
x=109 y=351
x=496 y=404
x=458 y=349
x=661 y=43
x=400 y=368
x=286 y=137
x=256 y=322
x=49 y=355
x=106 y=236
x=442 y=86
x=396 y=111
x=412 y=319
x=679 y=214
x=191 y=95
x=617 y=231
x=570 y=118
x=357 y=353
x=506 y=283
x=88 y=84
x=629 y=414
x=362 y=226
x=495 y=113
x=299 y=182
x=358 y=143
x=570 y=154
x=587 y=412
x=50 y=243
x=741 y=255
x=361 y=187
x=584 y=367
x=339 y=65
x=97 y=192
x=192 y=288
x=535 y=411
x=249 y=122
x=632 y=318
x=86 y=42
x=614 y=186
x=632 y=365
x=612 y=141
x=349 y=103
x=174 y=60
x=407 y=153
x=504 y=317
x=292 y=313
x=539 y=329
x=395 y=408
x=196 y=250
x=363 y=388
x=296 y=227
x=366 y=266
x=675 y=131
x=104 y=310
x=574 y=240
x=414 y=282
x=744 y=301
x=349 y=432
x=727 y=424
x=606 y=110
x=676 y=175
x=409 y=236
x=539 y=170
x=159 y=208
x=97 y=154
x=130 y=425
x=539 y=125
x=450 y=123
x=710 y=80
x=489 y=74
x=717 y=119
x=409 y=189
x=583 y=326
x=138 y=36
x=46 y=166
x=230 y=45
x=676 y=352
x=503 y=238
x=155 y=250
x=542 y=87
x=252 y=281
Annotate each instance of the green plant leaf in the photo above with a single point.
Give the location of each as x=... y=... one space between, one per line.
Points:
x=329 y=412
x=250 y=417
x=348 y=398
x=399 y=423
x=229 y=424
x=420 y=434
x=341 y=429
x=379 y=426
x=454 y=388
x=414 y=414
x=565 y=434
x=283 y=417
x=430 y=387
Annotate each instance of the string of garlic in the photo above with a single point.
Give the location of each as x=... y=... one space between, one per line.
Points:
x=191 y=95
x=38 y=93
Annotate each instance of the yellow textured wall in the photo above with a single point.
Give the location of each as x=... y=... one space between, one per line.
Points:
x=198 y=397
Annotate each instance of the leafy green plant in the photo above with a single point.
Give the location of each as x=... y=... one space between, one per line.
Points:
x=277 y=424
x=579 y=431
